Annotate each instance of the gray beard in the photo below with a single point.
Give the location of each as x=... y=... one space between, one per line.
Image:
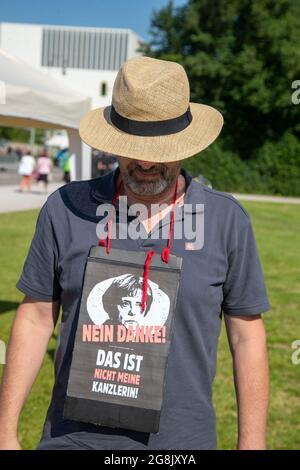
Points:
x=147 y=188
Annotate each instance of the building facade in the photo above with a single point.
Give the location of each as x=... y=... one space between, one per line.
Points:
x=88 y=59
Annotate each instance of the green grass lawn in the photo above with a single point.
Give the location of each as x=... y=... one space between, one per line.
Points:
x=277 y=229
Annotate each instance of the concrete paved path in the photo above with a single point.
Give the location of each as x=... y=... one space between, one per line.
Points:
x=12 y=200
x=262 y=198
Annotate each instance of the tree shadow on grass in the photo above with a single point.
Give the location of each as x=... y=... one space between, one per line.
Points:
x=8 y=305
x=51 y=354
x=51 y=351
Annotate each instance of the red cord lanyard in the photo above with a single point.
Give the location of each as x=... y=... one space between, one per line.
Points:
x=165 y=252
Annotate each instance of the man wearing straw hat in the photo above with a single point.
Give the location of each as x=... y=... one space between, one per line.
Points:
x=151 y=127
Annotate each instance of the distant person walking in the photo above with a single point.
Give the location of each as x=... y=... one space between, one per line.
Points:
x=63 y=158
x=44 y=169
x=26 y=169
x=66 y=167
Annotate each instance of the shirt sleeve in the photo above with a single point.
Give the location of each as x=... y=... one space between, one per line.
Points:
x=244 y=291
x=39 y=278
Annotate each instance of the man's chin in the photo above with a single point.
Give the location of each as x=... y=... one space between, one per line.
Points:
x=147 y=189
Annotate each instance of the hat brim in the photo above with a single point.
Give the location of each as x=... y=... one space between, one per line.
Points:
x=97 y=131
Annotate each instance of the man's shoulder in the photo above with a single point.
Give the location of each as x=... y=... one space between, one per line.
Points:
x=223 y=199
x=221 y=205
x=77 y=197
x=69 y=189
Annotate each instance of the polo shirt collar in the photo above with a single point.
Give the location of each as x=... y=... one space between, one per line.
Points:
x=104 y=187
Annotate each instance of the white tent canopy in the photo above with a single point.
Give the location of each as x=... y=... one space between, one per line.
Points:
x=58 y=140
x=31 y=98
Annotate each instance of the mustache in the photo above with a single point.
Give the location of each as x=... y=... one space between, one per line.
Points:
x=153 y=169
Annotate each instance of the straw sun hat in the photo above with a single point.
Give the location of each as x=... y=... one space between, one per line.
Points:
x=150 y=117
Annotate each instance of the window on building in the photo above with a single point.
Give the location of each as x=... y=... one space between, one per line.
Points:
x=84 y=48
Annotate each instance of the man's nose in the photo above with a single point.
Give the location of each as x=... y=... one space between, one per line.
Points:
x=145 y=165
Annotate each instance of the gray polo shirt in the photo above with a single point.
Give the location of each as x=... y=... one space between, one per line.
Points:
x=225 y=275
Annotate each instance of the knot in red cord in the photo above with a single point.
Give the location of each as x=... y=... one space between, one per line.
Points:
x=165 y=254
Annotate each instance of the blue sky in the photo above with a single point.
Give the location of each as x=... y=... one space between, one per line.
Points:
x=133 y=14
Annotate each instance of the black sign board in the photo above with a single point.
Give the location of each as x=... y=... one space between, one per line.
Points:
x=120 y=353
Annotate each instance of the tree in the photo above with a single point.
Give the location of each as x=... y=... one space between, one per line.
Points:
x=241 y=56
x=20 y=134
